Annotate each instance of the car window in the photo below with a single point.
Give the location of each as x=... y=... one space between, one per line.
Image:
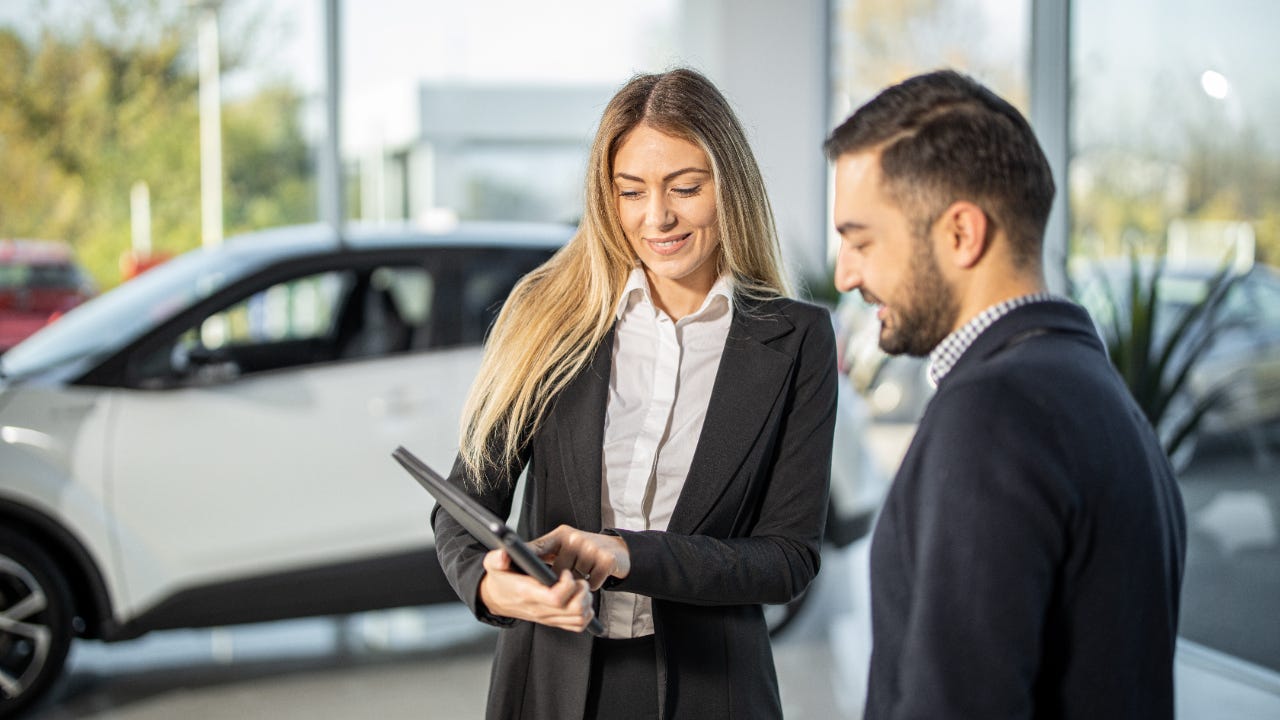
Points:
x=103 y=325
x=60 y=275
x=335 y=315
x=487 y=278
x=387 y=311
x=1266 y=303
x=295 y=310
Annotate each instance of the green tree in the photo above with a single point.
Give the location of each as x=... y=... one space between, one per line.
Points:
x=86 y=112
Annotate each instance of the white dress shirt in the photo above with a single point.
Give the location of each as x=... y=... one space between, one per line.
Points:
x=659 y=389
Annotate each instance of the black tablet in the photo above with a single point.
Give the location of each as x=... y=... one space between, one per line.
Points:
x=482 y=524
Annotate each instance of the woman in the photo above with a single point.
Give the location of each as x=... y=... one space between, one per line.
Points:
x=675 y=415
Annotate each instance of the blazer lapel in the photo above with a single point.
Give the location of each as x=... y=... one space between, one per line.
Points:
x=750 y=377
x=579 y=417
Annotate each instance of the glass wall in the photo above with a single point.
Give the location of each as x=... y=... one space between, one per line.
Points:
x=1174 y=174
x=1176 y=155
x=880 y=42
x=100 y=123
x=483 y=110
x=876 y=43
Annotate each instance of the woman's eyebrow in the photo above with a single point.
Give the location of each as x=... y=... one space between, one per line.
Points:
x=665 y=178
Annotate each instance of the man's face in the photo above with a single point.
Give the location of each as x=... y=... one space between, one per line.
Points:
x=887 y=263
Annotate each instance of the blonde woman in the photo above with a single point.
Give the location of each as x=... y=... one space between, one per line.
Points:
x=674 y=412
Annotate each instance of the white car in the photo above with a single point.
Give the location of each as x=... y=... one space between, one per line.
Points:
x=209 y=443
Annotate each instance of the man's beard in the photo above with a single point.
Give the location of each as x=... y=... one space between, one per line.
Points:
x=928 y=310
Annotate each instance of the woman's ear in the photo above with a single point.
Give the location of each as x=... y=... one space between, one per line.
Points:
x=963 y=233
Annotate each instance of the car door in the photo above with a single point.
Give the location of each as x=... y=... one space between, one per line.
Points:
x=1252 y=351
x=258 y=440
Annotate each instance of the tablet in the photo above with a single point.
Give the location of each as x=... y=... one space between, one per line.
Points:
x=482 y=524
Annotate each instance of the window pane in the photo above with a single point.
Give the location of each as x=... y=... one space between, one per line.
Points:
x=484 y=110
x=1175 y=147
x=880 y=42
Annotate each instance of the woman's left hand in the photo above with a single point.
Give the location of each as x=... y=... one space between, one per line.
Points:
x=594 y=557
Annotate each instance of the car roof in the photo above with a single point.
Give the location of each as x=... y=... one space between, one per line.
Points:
x=34 y=252
x=318 y=238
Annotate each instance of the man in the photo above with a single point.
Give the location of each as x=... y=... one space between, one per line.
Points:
x=1028 y=559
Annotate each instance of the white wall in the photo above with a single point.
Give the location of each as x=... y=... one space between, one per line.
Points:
x=770 y=60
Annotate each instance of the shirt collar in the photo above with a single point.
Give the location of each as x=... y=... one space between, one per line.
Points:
x=948 y=352
x=637 y=290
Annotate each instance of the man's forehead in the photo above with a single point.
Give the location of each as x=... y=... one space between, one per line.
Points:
x=859 y=167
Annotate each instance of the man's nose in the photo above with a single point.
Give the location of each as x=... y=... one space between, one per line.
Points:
x=847 y=277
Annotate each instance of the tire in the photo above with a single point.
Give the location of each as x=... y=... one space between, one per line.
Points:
x=36 y=621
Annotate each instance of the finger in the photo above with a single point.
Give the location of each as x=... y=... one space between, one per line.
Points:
x=564 y=562
x=595 y=579
x=576 y=613
x=548 y=544
x=566 y=587
x=497 y=560
x=568 y=548
x=586 y=608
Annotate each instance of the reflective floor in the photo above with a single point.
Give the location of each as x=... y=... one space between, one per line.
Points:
x=412 y=663
x=1231 y=591
x=433 y=662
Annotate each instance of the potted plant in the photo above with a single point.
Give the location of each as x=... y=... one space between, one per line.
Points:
x=1155 y=344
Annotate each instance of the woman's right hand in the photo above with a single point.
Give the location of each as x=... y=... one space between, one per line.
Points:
x=565 y=605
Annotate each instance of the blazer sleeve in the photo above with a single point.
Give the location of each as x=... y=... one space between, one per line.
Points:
x=775 y=561
x=981 y=534
x=461 y=555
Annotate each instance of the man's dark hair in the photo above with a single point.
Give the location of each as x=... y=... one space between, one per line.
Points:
x=944 y=137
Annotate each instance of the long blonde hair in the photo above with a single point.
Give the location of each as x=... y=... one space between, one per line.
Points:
x=557 y=316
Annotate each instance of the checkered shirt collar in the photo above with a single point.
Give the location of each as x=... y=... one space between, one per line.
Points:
x=948 y=352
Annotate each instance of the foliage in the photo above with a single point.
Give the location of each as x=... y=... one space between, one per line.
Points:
x=86 y=112
x=1156 y=355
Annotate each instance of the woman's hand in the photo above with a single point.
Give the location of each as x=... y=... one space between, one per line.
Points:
x=565 y=605
x=592 y=556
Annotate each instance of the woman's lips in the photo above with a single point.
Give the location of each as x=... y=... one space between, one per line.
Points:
x=667 y=245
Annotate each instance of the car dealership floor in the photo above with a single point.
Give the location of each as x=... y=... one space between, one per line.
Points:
x=433 y=662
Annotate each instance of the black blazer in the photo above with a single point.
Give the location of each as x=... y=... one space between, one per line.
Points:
x=746 y=529
x=1029 y=556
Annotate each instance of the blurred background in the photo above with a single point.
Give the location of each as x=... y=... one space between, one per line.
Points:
x=138 y=138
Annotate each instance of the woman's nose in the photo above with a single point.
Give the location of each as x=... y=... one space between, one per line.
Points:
x=660 y=214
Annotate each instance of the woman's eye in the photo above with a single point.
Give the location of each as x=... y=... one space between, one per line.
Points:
x=688 y=191
x=628 y=194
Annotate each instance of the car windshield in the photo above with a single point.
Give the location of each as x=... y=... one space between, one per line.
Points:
x=14 y=277
x=107 y=322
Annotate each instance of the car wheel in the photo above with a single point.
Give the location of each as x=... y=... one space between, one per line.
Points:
x=35 y=622
x=778 y=617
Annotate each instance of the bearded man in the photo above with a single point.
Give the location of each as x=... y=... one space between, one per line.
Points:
x=1029 y=556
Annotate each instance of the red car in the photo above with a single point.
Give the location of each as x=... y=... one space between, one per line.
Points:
x=39 y=280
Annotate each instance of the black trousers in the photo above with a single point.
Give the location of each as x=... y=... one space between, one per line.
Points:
x=624 y=680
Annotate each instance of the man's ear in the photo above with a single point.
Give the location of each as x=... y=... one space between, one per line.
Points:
x=963 y=232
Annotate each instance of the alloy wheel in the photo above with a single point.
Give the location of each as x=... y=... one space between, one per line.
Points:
x=25 y=636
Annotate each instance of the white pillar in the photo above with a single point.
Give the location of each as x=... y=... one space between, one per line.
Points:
x=210 y=126
x=771 y=60
x=330 y=165
x=1051 y=119
x=140 y=218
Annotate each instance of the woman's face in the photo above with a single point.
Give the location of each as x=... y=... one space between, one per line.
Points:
x=666 y=201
